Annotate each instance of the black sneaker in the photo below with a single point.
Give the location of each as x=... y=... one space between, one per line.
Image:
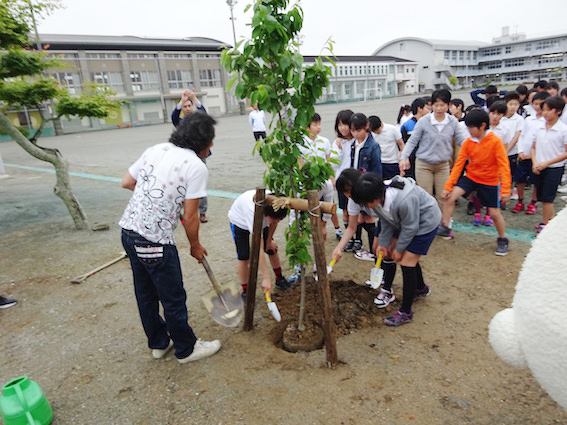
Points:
x=423 y=292
x=350 y=246
x=357 y=245
x=444 y=232
x=282 y=284
x=7 y=302
x=470 y=208
x=501 y=247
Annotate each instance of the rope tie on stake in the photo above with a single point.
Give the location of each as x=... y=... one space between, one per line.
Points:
x=315 y=208
x=260 y=203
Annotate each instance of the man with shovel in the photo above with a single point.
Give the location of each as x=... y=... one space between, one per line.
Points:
x=166 y=178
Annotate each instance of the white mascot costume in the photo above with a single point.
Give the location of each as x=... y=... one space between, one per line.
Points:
x=533 y=333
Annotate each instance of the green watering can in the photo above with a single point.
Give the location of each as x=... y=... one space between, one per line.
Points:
x=22 y=403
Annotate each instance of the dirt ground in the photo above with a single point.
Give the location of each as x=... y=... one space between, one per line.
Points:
x=85 y=346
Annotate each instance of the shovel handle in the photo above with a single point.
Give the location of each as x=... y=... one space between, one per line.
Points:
x=268 y=298
x=379 y=260
x=333 y=262
x=211 y=275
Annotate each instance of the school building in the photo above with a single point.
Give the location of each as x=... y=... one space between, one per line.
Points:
x=368 y=77
x=509 y=59
x=149 y=74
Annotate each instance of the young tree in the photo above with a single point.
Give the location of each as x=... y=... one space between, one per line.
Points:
x=23 y=83
x=273 y=75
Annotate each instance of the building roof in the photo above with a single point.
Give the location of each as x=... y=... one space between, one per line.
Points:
x=470 y=44
x=129 y=42
x=341 y=58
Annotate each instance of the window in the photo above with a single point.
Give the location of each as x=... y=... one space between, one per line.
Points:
x=461 y=54
x=493 y=65
x=179 y=79
x=210 y=77
x=453 y=54
x=112 y=80
x=546 y=44
x=350 y=70
x=447 y=53
x=64 y=55
x=474 y=55
x=360 y=87
x=347 y=90
x=391 y=69
x=144 y=80
x=509 y=63
x=554 y=58
x=360 y=70
x=493 y=51
x=69 y=80
x=103 y=55
x=176 y=56
x=341 y=71
x=508 y=49
x=468 y=54
x=516 y=76
x=140 y=56
x=208 y=55
x=528 y=47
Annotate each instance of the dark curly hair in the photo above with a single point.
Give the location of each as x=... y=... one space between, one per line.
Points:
x=195 y=132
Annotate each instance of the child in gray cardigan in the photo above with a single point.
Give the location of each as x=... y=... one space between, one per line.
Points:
x=434 y=136
x=409 y=219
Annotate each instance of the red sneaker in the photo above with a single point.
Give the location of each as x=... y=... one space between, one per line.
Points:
x=519 y=207
x=532 y=209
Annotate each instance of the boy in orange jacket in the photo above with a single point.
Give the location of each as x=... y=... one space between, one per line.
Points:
x=487 y=169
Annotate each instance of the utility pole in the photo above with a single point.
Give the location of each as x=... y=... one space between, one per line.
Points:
x=231 y=4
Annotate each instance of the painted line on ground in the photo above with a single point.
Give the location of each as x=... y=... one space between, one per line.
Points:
x=514 y=234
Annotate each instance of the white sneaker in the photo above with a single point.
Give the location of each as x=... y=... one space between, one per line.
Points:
x=384 y=298
x=201 y=350
x=514 y=196
x=158 y=354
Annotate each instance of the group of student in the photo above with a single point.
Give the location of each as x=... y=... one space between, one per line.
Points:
x=400 y=185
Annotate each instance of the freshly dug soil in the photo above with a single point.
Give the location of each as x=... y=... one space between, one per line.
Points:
x=353 y=308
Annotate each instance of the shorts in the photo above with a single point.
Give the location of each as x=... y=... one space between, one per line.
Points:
x=547 y=182
x=343 y=201
x=258 y=134
x=513 y=159
x=524 y=172
x=242 y=241
x=390 y=170
x=420 y=243
x=488 y=194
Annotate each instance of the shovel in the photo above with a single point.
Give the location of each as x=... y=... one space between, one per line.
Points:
x=331 y=265
x=223 y=302
x=376 y=274
x=273 y=307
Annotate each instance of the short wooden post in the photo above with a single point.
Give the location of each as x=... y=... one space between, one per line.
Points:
x=329 y=328
x=260 y=201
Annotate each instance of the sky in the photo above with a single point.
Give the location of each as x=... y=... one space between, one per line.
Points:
x=357 y=27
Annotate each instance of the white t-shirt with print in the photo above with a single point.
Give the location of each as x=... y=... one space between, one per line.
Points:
x=320 y=147
x=388 y=141
x=165 y=176
x=514 y=124
x=241 y=213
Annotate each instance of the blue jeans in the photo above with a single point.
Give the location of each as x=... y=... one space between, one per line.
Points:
x=157 y=278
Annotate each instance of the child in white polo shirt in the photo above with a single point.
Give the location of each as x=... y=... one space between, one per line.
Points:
x=514 y=123
x=391 y=144
x=549 y=154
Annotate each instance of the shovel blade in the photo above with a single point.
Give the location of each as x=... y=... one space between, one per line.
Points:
x=376 y=276
x=225 y=307
x=275 y=312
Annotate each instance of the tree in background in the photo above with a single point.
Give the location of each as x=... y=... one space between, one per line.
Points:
x=24 y=83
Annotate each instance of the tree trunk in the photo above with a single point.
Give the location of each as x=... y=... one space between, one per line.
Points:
x=63 y=185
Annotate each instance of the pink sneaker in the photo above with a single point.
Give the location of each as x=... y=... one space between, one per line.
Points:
x=488 y=221
x=532 y=209
x=476 y=220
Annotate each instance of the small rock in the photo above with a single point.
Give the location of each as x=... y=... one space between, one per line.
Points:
x=455 y=403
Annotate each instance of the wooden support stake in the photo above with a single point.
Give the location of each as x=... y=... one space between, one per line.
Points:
x=260 y=200
x=329 y=328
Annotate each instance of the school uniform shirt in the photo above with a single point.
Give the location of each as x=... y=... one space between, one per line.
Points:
x=513 y=124
x=434 y=142
x=165 y=176
x=531 y=125
x=257 y=120
x=488 y=163
x=241 y=213
x=320 y=147
x=563 y=117
x=529 y=110
x=502 y=132
x=342 y=155
x=388 y=141
x=551 y=143
x=354 y=209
